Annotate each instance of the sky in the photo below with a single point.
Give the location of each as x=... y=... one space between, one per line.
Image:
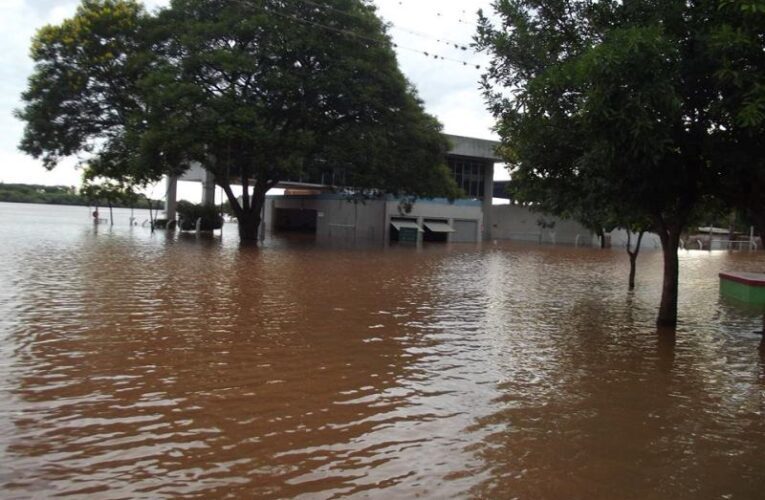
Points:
x=448 y=87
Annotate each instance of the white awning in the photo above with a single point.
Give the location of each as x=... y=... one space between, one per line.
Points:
x=401 y=224
x=439 y=227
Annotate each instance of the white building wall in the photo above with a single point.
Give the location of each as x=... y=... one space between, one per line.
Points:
x=448 y=212
x=337 y=219
x=514 y=222
x=651 y=241
x=341 y=220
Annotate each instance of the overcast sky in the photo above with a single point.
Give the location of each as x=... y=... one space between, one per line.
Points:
x=449 y=89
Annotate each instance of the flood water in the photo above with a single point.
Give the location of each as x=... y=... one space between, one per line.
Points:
x=135 y=365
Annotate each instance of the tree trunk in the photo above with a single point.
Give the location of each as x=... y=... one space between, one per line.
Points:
x=249 y=223
x=602 y=235
x=633 y=264
x=249 y=220
x=111 y=214
x=670 y=242
x=633 y=257
x=760 y=229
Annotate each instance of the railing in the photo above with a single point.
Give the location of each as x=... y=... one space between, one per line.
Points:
x=730 y=244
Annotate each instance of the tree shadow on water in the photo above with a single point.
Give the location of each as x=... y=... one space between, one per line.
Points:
x=665 y=348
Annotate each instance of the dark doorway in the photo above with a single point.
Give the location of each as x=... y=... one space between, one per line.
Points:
x=295 y=220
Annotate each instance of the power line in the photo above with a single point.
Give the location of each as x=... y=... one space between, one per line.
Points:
x=459 y=19
x=451 y=43
x=352 y=34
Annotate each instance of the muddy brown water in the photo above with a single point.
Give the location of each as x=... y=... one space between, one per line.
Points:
x=140 y=366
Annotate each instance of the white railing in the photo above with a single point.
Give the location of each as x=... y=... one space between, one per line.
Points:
x=731 y=244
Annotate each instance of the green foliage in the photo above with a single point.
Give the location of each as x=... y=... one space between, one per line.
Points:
x=108 y=191
x=257 y=92
x=60 y=195
x=626 y=110
x=637 y=112
x=189 y=213
x=33 y=193
x=83 y=95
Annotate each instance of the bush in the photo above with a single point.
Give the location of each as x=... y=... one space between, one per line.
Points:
x=188 y=213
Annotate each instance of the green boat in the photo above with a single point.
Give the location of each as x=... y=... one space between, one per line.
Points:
x=748 y=288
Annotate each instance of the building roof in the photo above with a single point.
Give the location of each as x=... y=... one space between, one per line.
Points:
x=473 y=147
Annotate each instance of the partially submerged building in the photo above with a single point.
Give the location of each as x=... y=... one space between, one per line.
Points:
x=315 y=206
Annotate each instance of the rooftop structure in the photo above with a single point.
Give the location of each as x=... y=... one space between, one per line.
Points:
x=311 y=205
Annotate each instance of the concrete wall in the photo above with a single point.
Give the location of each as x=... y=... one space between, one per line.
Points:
x=471 y=146
x=650 y=241
x=514 y=222
x=340 y=220
x=336 y=219
x=460 y=210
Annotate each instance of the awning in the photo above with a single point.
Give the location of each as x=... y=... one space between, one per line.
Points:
x=405 y=224
x=439 y=227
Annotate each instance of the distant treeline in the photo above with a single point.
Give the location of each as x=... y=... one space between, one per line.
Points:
x=59 y=195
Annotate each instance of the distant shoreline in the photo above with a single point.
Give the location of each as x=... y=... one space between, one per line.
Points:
x=142 y=206
x=60 y=195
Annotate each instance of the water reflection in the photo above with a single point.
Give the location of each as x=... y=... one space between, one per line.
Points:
x=139 y=365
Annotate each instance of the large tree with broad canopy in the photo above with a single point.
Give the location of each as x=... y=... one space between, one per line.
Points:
x=256 y=91
x=649 y=108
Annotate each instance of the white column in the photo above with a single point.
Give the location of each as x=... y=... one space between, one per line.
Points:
x=208 y=189
x=488 y=197
x=386 y=223
x=171 y=195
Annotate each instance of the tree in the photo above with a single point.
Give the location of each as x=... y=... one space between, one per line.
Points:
x=639 y=87
x=738 y=43
x=84 y=92
x=99 y=190
x=256 y=91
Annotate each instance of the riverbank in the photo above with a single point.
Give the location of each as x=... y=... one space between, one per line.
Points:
x=58 y=195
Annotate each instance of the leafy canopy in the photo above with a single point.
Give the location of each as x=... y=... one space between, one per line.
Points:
x=256 y=91
x=639 y=110
x=635 y=107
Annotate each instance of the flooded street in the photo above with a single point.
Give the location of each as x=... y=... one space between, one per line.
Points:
x=145 y=366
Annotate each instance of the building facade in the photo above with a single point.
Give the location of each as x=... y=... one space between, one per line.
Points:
x=312 y=206
x=331 y=216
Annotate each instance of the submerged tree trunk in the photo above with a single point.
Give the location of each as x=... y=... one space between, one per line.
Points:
x=602 y=235
x=249 y=211
x=151 y=214
x=633 y=256
x=249 y=224
x=760 y=229
x=670 y=242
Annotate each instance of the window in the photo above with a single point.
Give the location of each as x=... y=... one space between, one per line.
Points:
x=469 y=175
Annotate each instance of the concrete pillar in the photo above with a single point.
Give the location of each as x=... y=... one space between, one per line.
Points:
x=208 y=189
x=449 y=235
x=262 y=228
x=420 y=222
x=386 y=223
x=171 y=196
x=488 y=197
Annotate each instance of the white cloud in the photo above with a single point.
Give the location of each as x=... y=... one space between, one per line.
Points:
x=449 y=89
